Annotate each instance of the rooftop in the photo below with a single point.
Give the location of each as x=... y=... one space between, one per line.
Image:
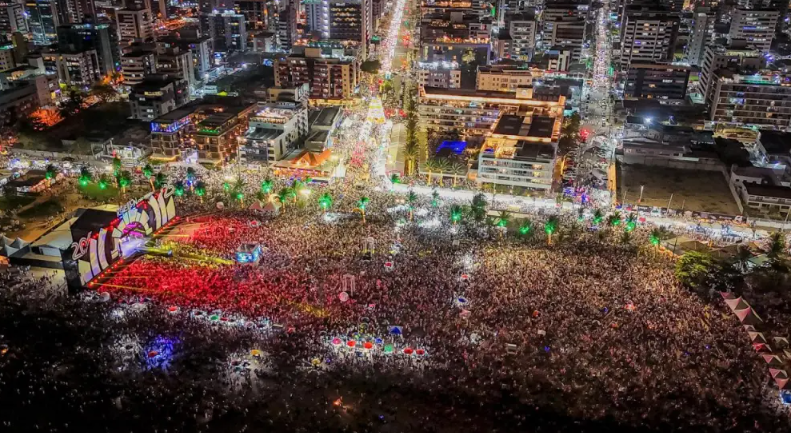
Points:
x=767 y=190
x=326 y=117
x=529 y=150
x=775 y=141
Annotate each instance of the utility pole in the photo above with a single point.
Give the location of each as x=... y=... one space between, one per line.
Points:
x=669 y=201
x=640 y=200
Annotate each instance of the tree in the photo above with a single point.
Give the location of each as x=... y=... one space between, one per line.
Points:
x=442 y=166
x=631 y=222
x=435 y=198
x=104 y=92
x=655 y=237
x=371 y=66
x=103 y=181
x=411 y=198
x=325 y=201
x=191 y=176
x=614 y=219
x=598 y=216
x=478 y=207
x=551 y=227
x=502 y=221
x=178 y=188
x=283 y=195
x=73 y=101
x=361 y=205
x=411 y=153
x=693 y=268
x=148 y=172
x=50 y=172
x=429 y=166
x=526 y=228
x=394 y=178
x=266 y=186
x=457 y=169
x=200 y=190
x=85 y=176
x=160 y=180
x=455 y=214
x=44 y=118
x=116 y=166
x=124 y=180
x=777 y=246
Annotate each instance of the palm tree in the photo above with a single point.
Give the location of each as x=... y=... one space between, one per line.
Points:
x=411 y=198
x=85 y=176
x=394 y=178
x=442 y=166
x=655 y=237
x=124 y=180
x=478 y=207
x=148 y=172
x=51 y=172
x=550 y=227
x=325 y=201
x=614 y=219
x=742 y=258
x=179 y=188
x=283 y=195
x=455 y=214
x=361 y=204
x=411 y=153
x=503 y=219
x=458 y=169
x=777 y=246
x=526 y=228
x=116 y=166
x=191 y=178
x=429 y=166
x=598 y=216
x=631 y=222
x=160 y=180
x=103 y=181
x=200 y=190
x=434 y=198
x=266 y=186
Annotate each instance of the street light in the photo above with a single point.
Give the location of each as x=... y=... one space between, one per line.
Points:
x=640 y=200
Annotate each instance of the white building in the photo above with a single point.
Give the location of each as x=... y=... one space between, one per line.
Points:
x=446 y=75
x=520 y=151
x=755 y=26
x=273 y=132
x=505 y=78
x=135 y=26
x=523 y=37
x=701 y=35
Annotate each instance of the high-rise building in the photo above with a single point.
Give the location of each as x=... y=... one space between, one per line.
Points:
x=12 y=18
x=328 y=77
x=78 y=68
x=75 y=11
x=701 y=35
x=287 y=27
x=720 y=57
x=648 y=36
x=137 y=65
x=755 y=26
x=7 y=57
x=156 y=96
x=103 y=38
x=43 y=21
x=566 y=33
x=201 y=49
x=317 y=19
x=135 y=26
x=350 y=20
x=259 y=14
x=522 y=29
x=227 y=29
x=762 y=99
x=175 y=62
x=656 y=81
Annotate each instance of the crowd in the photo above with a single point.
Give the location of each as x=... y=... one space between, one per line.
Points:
x=586 y=329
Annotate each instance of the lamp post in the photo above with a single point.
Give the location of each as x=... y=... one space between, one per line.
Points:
x=640 y=200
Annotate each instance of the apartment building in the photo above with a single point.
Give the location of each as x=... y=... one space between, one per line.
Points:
x=520 y=152
x=328 y=77
x=761 y=99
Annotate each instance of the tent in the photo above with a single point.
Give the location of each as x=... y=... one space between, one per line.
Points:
x=781 y=383
x=756 y=337
x=272 y=207
x=9 y=247
x=748 y=316
x=736 y=304
x=778 y=373
x=780 y=342
x=256 y=205
x=772 y=359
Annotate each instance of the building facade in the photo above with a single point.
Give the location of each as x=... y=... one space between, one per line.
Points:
x=153 y=98
x=656 y=81
x=755 y=26
x=135 y=26
x=762 y=99
x=648 y=36
x=273 y=131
